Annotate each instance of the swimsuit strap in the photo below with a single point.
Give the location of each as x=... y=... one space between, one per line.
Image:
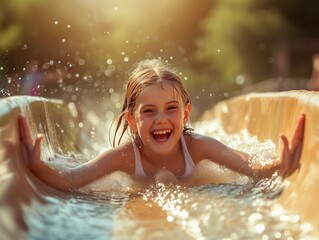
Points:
x=139 y=170
x=189 y=164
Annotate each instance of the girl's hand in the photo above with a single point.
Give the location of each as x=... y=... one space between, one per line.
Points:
x=291 y=153
x=31 y=150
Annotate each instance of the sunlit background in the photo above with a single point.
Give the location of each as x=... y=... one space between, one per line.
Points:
x=82 y=50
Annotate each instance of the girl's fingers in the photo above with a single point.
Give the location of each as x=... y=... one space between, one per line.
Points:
x=297 y=138
x=36 y=150
x=32 y=148
x=37 y=143
x=25 y=135
x=297 y=155
x=291 y=152
x=285 y=149
x=21 y=128
x=287 y=158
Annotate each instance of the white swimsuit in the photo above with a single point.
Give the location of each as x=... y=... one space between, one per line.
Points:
x=189 y=164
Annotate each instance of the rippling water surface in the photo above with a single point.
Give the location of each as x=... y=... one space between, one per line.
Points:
x=223 y=211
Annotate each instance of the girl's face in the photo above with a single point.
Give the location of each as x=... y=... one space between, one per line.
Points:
x=159 y=117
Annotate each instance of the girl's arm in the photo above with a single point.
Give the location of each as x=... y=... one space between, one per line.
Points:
x=65 y=178
x=242 y=162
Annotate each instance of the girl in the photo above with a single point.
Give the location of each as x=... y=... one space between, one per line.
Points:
x=155 y=113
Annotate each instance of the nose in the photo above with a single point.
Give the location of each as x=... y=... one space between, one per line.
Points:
x=161 y=117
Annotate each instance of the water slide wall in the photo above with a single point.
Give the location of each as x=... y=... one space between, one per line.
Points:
x=20 y=190
x=265 y=115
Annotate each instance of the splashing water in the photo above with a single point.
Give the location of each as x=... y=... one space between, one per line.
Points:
x=120 y=208
x=171 y=211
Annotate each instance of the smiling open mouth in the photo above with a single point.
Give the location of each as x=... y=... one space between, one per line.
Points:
x=161 y=135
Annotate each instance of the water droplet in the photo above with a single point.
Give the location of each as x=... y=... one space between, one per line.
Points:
x=115 y=9
x=34 y=68
x=81 y=62
x=109 y=115
x=170 y=218
x=126 y=59
x=118 y=105
x=63 y=40
x=260 y=228
x=74 y=97
x=109 y=61
x=115 y=97
x=240 y=79
x=56 y=22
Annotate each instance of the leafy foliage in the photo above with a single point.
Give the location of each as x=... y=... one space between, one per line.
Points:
x=242 y=37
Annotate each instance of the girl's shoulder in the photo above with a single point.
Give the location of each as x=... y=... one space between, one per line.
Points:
x=194 y=138
x=202 y=147
x=119 y=158
x=124 y=150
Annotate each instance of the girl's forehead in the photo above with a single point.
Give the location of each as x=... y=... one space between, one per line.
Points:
x=157 y=92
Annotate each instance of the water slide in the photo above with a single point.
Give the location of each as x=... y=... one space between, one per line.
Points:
x=265 y=115
x=19 y=188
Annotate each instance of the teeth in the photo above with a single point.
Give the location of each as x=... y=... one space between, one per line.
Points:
x=162 y=132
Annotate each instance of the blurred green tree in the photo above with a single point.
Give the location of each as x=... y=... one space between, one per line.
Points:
x=242 y=38
x=12 y=14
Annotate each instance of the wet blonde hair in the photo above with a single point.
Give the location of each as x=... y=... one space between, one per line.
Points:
x=146 y=73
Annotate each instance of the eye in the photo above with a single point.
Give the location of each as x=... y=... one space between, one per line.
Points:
x=172 y=108
x=148 y=111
